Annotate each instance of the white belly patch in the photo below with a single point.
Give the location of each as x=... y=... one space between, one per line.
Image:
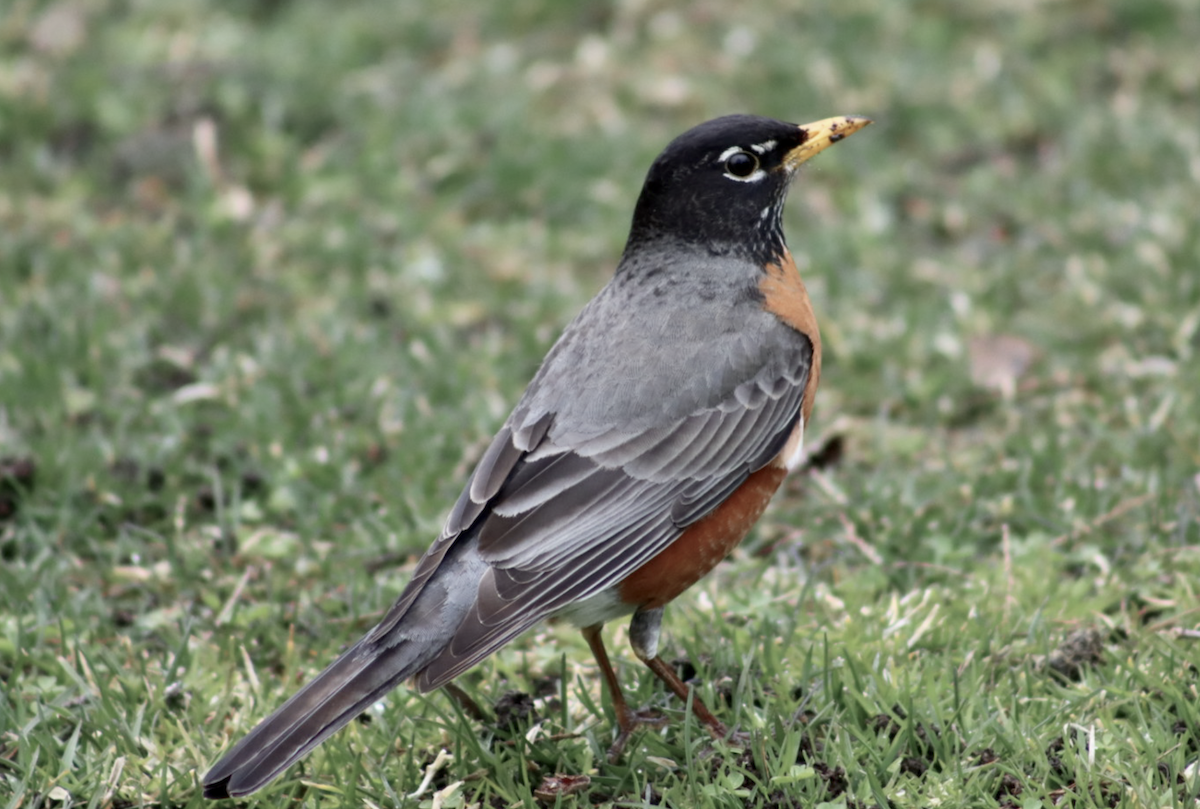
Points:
x=600 y=608
x=793 y=450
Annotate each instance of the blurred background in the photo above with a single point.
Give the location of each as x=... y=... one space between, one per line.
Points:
x=272 y=273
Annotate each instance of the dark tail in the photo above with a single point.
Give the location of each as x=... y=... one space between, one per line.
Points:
x=417 y=628
x=352 y=684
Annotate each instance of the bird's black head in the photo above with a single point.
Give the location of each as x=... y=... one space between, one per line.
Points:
x=722 y=184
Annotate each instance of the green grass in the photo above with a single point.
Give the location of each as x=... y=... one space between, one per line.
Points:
x=241 y=384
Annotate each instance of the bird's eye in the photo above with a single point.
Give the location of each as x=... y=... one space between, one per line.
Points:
x=741 y=165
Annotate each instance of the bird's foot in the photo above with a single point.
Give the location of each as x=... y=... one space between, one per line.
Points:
x=733 y=738
x=737 y=739
x=628 y=723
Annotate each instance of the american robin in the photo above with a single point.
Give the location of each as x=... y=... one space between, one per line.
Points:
x=640 y=455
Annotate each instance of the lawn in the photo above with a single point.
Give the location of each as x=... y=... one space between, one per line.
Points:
x=272 y=273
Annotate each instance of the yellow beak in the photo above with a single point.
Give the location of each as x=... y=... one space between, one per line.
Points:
x=820 y=135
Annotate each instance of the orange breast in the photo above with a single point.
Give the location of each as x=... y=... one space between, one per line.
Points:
x=698 y=550
x=785 y=297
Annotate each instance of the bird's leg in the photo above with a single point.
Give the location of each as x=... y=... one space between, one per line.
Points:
x=628 y=720
x=644 y=630
x=468 y=705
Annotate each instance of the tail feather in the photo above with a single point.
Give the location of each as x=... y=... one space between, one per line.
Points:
x=418 y=627
x=354 y=682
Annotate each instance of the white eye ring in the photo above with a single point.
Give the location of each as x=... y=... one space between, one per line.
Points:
x=733 y=152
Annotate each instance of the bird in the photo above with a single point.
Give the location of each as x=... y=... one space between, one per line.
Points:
x=647 y=445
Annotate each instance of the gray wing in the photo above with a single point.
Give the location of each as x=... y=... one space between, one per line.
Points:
x=602 y=465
